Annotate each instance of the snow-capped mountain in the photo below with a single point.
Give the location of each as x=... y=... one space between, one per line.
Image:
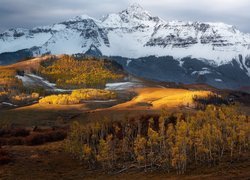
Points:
x=135 y=33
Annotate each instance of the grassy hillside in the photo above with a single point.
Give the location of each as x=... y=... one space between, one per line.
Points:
x=158 y=98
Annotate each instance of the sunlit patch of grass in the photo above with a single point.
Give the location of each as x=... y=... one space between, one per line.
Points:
x=164 y=97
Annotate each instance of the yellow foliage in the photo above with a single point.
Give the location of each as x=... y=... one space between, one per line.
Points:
x=62 y=99
x=97 y=94
x=77 y=96
x=86 y=73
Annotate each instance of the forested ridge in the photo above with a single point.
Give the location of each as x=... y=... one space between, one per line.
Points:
x=171 y=142
x=87 y=72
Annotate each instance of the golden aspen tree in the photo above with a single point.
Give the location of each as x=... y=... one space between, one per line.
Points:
x=153 y=143
x=232 y=134
x=74 y=140
x=103 y=155
x=140 y=146
x=162 y=140
x=170 y=141
x=243 y=134
x=87 y=154
x=179 y=151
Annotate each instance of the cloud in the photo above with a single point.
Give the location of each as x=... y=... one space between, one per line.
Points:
x=27 y=13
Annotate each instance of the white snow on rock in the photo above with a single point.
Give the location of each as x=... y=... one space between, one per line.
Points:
x=12 y=44
x=25 y=79
x=8 y=104
x=218 y=80
x=203 y=72
x=128 y=61
x=122 y=85
x=52 y=85
x=32 y=79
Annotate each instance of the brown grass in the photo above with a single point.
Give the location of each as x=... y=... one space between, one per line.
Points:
x=27 y=137
x=4 y=157
x=33 y=64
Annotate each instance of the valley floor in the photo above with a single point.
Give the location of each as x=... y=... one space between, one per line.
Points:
x=49 y=161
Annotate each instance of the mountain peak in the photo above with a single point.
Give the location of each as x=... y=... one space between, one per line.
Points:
x=135 y=7
x=136 y=11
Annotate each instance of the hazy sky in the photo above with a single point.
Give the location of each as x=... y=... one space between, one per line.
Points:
x=30 y=13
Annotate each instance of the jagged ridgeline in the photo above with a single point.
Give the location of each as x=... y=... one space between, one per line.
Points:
x=81 y=72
